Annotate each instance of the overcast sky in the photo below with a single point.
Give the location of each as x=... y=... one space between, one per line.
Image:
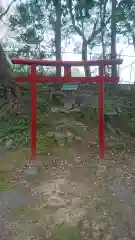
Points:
x=4 y=2
x=127 y=71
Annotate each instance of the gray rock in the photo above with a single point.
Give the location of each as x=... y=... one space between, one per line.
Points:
x=9 y=143
x=32 y=171
x=86 y=224
x=50 y=134
x=60 y=138
x=69 y=136
x=68 y=103
x=133 y=234
x=57 y=201
x=100 y=170
x=55 y=110
x=77 y=138
x=122 y=192
x=58 y=135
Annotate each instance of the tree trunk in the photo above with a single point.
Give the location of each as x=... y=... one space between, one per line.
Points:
x=113 y=36
x=6 y=78
x=84 y=57
x=102 y=24
x=58 y=35
x=133 y=38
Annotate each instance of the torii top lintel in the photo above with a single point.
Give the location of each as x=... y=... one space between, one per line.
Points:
x=66 y=63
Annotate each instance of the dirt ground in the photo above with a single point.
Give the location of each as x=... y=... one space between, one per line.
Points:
x=73 y=196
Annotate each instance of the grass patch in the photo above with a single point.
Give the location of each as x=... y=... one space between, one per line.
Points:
x=33 y=212
x=10 y=161
x=24 y=211
x=42 y=214
x=44 y=144
x=67 y=233
x=4 y=180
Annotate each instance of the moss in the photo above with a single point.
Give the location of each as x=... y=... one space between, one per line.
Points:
x=67 y=233
x=5 y=180
x=24 y=211
x=44 y=144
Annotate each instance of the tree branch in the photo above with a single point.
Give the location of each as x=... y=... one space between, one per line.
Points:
x=96 y=32
x=93 y=31
x=76 y=28
x=6 y=11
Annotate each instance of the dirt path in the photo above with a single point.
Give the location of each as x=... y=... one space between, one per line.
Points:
x=73 y=197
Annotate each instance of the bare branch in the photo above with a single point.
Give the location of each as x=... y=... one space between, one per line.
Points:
x=96 y=32
x=76 y=28
x=6 y=11
x=94 y=29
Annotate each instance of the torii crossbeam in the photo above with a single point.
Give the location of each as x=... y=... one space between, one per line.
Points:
x=33 y=78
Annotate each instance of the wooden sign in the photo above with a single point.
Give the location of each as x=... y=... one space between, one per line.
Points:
x=69 y=86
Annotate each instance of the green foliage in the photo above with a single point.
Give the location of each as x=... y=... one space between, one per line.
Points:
x=110 y=107
x=15 y=130
x=88 y=115
x=126 y=120
x=82 y=8
x=131 y=127
x=15 y=133
x=126 y=18
x=30 y=24
x=121 y=111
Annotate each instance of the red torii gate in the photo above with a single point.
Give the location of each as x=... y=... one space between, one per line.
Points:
x=33 y=78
